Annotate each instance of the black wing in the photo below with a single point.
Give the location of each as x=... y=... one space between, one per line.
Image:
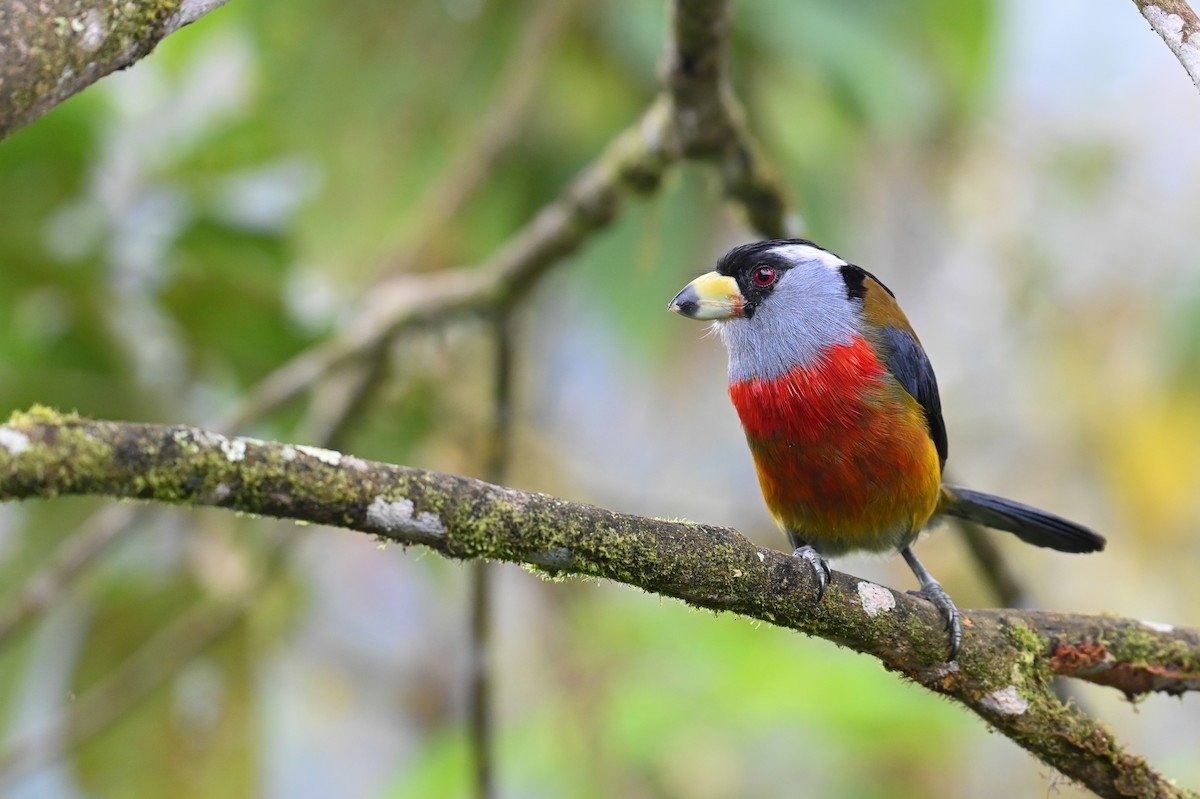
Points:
x=906 y=359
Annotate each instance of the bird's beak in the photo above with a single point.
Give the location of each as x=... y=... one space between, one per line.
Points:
x=710 y=296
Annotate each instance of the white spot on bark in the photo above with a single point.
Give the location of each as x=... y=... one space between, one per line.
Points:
x=761 y=556
x=208 y=439
x=358 y=464
x=185 y=442
x=288 y=452
x=1159 y=627
x=1005 y=701
x=323 y=455
x=940 y=671
x=93 y=30
x=397 y=517
x=875 y=598
x=1170 y=28
x=14 y=441
x=234 y=449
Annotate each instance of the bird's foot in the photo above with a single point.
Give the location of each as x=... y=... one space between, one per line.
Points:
x=934 y=592
x=820 y=567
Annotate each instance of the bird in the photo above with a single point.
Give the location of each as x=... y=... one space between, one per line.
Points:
x=840 y=409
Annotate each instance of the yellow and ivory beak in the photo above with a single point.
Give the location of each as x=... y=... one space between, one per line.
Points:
x=710 y=296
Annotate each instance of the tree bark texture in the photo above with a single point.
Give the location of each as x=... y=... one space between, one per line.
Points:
x=51 y=49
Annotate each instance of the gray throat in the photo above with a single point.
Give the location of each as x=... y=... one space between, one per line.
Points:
x=793 y=327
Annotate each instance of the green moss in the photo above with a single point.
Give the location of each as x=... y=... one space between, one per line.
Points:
x=1028 y=645
x=40 y=415
x=183 y=440
x=550 y=576
x=1136 y=645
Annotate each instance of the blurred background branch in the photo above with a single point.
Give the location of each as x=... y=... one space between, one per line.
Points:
x=496 y=457
x=108 y=701
x=695 y=117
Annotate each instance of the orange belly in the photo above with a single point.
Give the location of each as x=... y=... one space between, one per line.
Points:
x=843 y=452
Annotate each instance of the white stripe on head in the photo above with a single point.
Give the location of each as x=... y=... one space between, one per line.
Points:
x=809 y=252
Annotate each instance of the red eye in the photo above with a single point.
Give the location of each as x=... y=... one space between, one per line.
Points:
x=764 y=276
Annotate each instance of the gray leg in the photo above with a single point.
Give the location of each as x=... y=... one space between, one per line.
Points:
x=932 y=590
x=819 y=566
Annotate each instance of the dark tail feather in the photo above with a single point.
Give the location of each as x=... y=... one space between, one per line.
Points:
x=1031 y=525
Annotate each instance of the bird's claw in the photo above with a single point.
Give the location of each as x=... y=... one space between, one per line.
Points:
x=934 y=592
x=820 y=567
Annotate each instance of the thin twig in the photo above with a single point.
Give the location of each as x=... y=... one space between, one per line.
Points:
x=331 y=415
x=41 y=591
x=995 y=568
x=99 y=706
x=501 y=127
x=479 y=694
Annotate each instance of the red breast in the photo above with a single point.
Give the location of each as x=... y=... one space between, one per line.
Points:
x=843 y=452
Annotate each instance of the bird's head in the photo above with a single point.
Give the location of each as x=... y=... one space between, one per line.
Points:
x=777 y=305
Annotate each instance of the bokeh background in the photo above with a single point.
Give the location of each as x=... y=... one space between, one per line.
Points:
x=1022 y=174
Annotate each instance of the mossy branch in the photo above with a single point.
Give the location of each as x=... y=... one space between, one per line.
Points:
x=1003 y=674
x=54 y=48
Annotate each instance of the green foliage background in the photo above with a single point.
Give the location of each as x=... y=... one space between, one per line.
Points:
x=177 y=231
